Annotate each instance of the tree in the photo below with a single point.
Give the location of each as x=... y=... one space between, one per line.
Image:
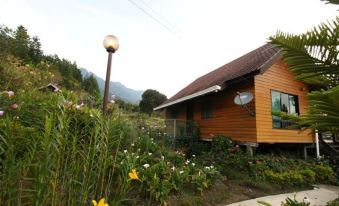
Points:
x=90 y=85
x=313 y=57
x=151 y=99
x=20 y=44
x=5 y=39
x=35 y=52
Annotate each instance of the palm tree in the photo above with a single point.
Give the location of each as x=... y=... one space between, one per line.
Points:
x=314 y=58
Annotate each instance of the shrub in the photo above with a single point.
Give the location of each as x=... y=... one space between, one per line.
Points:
x=220 y=144
x=308 y=175
x=323 y=173
x=292 y=178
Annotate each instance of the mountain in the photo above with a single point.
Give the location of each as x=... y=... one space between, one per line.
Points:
x=116 y=88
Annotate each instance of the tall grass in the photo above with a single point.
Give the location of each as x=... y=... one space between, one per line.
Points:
x=64 y=156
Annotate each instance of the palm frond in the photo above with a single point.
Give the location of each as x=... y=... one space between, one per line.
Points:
x=324 y=110
x=312 y=54
x=331 y=1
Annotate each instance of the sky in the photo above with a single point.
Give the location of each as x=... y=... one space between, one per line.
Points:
x=193 y=37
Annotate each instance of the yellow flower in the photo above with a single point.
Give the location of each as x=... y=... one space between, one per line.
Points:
x=101 y=202
x=133 y=175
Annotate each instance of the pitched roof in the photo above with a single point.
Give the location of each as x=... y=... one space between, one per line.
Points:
x=260 y=58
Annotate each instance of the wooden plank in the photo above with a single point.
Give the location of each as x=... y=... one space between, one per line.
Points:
x=228 y=119
x=278 y=78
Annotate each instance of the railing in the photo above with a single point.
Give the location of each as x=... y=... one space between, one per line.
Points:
x=180 y=132
x=327 y=149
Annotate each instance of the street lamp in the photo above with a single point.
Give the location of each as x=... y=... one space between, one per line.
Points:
x=111 y=44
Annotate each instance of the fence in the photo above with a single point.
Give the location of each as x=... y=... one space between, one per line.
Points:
x=180 y=132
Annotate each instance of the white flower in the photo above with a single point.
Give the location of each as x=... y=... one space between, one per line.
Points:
x=91 y=115
x=125 y=151
x=193 y=156
x=181 y=172
x=2 y=113
x=112 y=101
x=149 y=154
x=207 y=168
x=142 y=128
x=78 y=107
x=146 y=166
x=211 y=166
x=193 y=164
x=306 y=200
x=10 y=93
x=173 y=168
x=132 y=144
x=162 y=157
x=138 y=150
x=137 y=157
x=187 y=161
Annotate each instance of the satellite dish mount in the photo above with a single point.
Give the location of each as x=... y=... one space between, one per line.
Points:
x=242 y=99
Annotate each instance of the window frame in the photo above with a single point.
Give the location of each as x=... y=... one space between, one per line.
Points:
x=285 y=124
x=206 y=109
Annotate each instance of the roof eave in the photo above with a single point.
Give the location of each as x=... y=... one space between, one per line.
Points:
x=214 y=88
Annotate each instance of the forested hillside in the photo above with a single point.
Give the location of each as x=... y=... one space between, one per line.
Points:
x=23 y=63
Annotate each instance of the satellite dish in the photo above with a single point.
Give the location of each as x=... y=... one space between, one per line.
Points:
x=243 y=98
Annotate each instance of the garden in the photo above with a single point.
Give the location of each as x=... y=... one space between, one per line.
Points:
x=56 y=151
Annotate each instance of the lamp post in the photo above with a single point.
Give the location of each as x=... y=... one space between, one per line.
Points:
x=111 y=44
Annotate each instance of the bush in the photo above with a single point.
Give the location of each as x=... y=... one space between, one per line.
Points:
x=221 y=143
x=286 y=178
x=324 y=173
x=308 y=176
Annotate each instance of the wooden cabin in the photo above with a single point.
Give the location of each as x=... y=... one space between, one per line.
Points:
x=209 y=100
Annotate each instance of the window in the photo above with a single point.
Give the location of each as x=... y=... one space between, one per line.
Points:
x=282 y=102
x=206 y=110
x=174 y=113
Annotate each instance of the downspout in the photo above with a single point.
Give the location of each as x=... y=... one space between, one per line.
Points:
x=317 y=144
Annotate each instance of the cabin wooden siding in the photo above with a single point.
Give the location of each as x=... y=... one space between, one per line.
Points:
x=278 y=78
x=227 y=118
x=180 y=110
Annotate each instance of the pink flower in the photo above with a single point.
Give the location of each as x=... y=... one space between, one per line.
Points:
x=2 y=113
x=14 y=106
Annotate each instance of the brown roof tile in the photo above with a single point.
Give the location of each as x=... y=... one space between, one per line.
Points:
x=255 y=60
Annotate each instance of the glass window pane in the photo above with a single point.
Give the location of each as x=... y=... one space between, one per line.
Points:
x=206 y=110
x=276 y=122
x=284 y=103
x=276 y=101
x=292 y=103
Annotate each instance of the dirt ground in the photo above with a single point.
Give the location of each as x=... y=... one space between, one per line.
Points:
x=226 y=192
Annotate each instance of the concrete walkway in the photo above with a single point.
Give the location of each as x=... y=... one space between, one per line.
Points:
x=319 y=196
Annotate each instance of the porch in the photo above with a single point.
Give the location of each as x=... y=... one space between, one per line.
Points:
x=180 y=132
